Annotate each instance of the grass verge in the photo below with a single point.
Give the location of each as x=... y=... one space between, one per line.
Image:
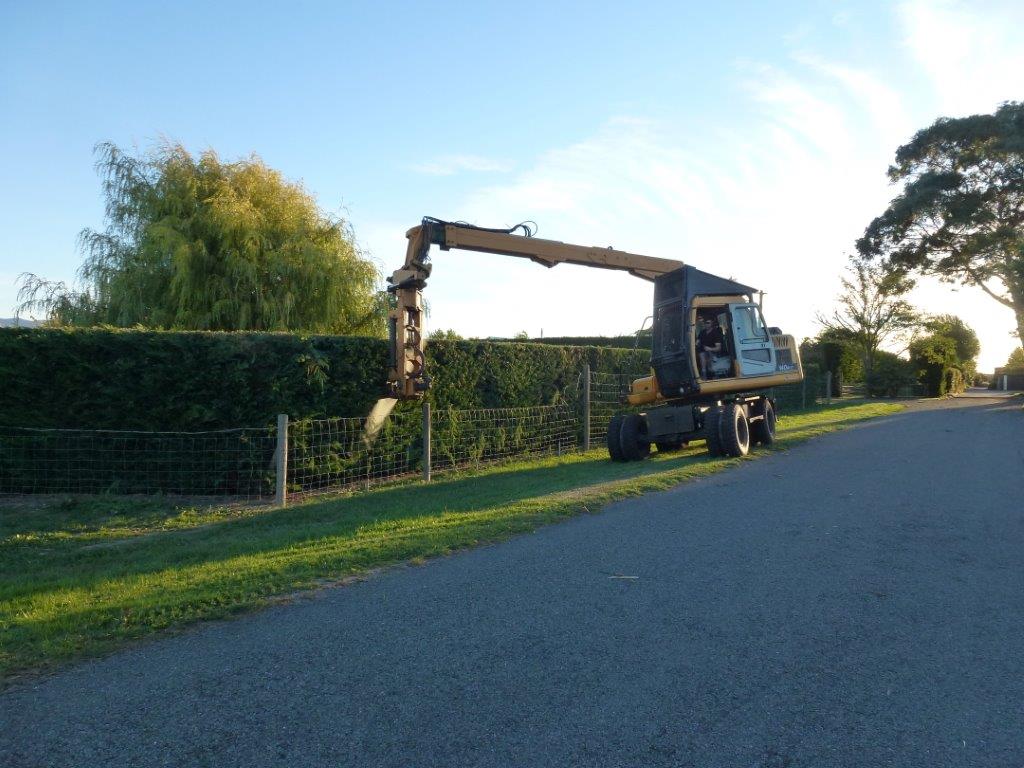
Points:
x=80 y=576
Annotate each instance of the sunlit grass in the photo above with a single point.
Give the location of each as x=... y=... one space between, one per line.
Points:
x=80 y=576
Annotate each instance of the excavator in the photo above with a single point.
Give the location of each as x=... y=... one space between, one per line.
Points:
x=722 y=396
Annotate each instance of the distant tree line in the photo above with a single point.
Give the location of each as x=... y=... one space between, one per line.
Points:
x=959 y=217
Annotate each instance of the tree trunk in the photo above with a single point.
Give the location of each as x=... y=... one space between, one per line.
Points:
x=1017 y=295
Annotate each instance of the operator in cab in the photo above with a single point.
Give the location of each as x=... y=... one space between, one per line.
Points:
x=709 y=343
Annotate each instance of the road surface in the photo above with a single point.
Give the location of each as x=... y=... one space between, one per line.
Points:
x=856 y=601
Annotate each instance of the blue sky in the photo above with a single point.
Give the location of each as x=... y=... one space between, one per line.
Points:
x=749 y=139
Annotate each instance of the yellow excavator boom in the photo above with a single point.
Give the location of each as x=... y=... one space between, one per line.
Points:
x=407 y=376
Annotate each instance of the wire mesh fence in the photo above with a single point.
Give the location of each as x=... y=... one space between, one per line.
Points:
x=608 y=397
x=324 y=455
x=471 y=437
x=335 y=454
x=232 y=462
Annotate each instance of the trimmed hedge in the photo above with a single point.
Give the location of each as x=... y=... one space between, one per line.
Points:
x=101 y=378
x=621 y=342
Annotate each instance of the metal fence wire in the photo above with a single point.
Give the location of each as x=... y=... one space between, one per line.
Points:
x=230 y=462
x=608 y=397
x=324 y=455
x=469 y=437
x=333 y=454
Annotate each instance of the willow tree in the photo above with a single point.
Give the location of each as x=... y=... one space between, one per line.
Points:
x=201 y=244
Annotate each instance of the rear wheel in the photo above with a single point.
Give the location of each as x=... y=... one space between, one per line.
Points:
x=635 y=445
x=713 y=431
x=762 y=431
x=615 y=438
x=735 y=430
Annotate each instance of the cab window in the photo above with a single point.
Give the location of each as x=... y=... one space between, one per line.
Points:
x=670 y=329
x=749 y=326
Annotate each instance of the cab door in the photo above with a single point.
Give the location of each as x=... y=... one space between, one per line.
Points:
x=754 y=349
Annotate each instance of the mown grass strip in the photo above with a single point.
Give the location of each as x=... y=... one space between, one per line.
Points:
x=81 y=576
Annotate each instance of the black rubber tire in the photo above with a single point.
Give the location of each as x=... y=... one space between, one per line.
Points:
x=762 y=431
x=735 y=430
x=713 y=431
x=667 y=446
x=614 y=438
x=635 y=445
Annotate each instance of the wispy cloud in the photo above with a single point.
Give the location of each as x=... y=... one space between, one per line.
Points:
x=971 y=55
x=776 y=196
x=449 y=165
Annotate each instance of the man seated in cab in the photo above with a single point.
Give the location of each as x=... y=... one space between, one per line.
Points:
x=710 y=342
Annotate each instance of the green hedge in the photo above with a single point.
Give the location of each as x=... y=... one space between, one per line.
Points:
x=621 y=342
x=100 y=378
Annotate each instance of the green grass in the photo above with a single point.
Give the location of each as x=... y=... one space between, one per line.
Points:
x=80 y=576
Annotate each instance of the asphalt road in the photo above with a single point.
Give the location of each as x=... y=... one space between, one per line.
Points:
x=856 y=601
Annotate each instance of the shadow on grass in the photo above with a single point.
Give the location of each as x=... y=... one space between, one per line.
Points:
x=66 y=561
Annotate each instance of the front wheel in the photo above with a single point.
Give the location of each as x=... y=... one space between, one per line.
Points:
x=735 y=430
x=762 y=431
x=713 y=431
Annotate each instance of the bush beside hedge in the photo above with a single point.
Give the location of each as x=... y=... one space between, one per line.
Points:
x=103 y=378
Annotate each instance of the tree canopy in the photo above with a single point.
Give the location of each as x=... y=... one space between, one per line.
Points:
x=966 y=345
x=198 y=243
x=870 y=311
x=960 y=215
x=944 y=356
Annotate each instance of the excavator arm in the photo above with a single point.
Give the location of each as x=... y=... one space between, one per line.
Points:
x=407 y=375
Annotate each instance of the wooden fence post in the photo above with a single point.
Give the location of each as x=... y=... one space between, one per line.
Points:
x=281 y=456
x=426 y=441
x=828 y=387
x=586 y=407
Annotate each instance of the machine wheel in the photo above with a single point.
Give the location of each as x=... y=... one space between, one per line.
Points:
x=762 y=431
x=735 y=430
x=635 y=445
x=713 y=431
x=667 y=446
x=615 y=438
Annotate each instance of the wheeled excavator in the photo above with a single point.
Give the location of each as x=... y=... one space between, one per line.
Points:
x=724 y=398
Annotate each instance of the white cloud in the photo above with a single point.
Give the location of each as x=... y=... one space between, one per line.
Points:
x=448 y=165
x=775 y=198
x=971 y=55
x=778 y=212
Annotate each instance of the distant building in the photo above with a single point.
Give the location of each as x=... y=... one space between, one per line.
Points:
x=1008 y=379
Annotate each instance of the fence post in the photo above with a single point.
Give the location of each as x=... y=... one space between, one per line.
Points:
x=828 y=387
x=803 y=393
x=281 y=497
x=426 y=441
x=586 y=407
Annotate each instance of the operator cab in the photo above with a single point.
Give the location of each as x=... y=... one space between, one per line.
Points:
x=691 y=306
x=745 y=348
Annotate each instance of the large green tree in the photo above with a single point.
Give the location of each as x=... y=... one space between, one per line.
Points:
x=960 y=215
x=203 y=244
